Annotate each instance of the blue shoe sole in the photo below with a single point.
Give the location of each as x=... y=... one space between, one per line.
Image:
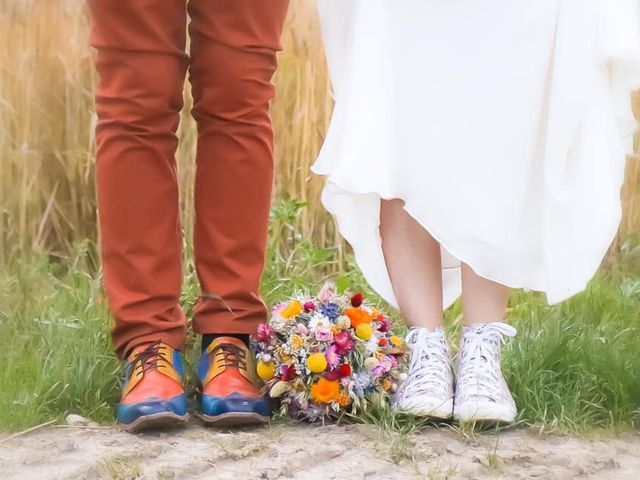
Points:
x=234 y=410
x=234 y=419
x=153 y=413
x=155 y=421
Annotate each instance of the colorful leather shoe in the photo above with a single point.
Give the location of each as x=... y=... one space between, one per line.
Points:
x=229 y=385
x=153 y=395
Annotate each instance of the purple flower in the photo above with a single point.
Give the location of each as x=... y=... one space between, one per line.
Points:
x=378 y=370
x=384 y=326
x=383 y=367
x=392 y=360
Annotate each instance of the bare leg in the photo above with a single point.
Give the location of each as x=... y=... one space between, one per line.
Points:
x=484 y=301
x=414 y=263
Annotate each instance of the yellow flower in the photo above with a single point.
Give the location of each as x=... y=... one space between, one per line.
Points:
x=325 y=391
x=396 y=341
x=364 y=331
x=317 y=362
x=266 y=371
x=387 y=384
x=296 y=341
x=292 y=310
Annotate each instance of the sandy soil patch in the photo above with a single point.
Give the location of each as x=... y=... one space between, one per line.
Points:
x=308 y=452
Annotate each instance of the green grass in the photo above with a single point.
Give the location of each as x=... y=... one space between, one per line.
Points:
x=573 y=367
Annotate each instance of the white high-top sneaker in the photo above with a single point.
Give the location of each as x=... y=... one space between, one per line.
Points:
x=481 y=391
x=428 y=390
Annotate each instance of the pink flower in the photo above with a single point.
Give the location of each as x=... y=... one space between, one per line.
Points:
x=309 y=306
x=327 y=292
x=344 y=342
x=323 y=335
x=333 y=356
x=302 y=329
x=264 y=332
x=278 y=308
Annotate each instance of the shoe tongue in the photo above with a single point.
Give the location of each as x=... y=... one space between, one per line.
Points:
x=226 y=341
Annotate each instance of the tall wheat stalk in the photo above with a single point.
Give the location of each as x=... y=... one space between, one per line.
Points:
x=47 y=193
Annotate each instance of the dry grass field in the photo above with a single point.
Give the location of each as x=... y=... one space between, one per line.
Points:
x=47 y=193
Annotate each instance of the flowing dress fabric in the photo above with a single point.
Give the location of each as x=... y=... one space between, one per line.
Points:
x=500 y=123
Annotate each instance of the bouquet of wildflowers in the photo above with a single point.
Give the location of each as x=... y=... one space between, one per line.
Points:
x=328 y=355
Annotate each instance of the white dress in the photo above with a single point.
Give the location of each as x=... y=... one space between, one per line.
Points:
x=502 y=124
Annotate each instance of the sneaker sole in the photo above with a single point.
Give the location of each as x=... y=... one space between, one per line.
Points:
x=234 y=419
x=483 y=413
x=443 y=411
x=156 y=421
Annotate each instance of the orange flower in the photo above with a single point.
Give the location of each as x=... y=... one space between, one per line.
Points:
x=387 y=384
x=358 y=316
x=343 y=399
x=296 y=341
x=325 y=391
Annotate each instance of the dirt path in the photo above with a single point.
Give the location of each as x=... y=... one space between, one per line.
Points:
x=304 y=452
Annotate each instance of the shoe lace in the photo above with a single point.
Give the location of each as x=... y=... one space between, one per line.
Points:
x=149 y=358
x=429 y=363
x=479 y=371
x=229 y=355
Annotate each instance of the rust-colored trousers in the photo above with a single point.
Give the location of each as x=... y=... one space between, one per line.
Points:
x=142 y=65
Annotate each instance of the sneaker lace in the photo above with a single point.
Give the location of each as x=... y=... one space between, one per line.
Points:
x=429 y=364
x=480 y=373
x=229 y=355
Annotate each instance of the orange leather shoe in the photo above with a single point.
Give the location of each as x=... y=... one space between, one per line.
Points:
x=152 y=395
x=229 y=385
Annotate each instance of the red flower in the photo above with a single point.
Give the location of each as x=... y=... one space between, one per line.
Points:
x=309 y=306
x=333 y=374
x=357 y=299
x=345 y=370
x=383 y=342
x=288 y=373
